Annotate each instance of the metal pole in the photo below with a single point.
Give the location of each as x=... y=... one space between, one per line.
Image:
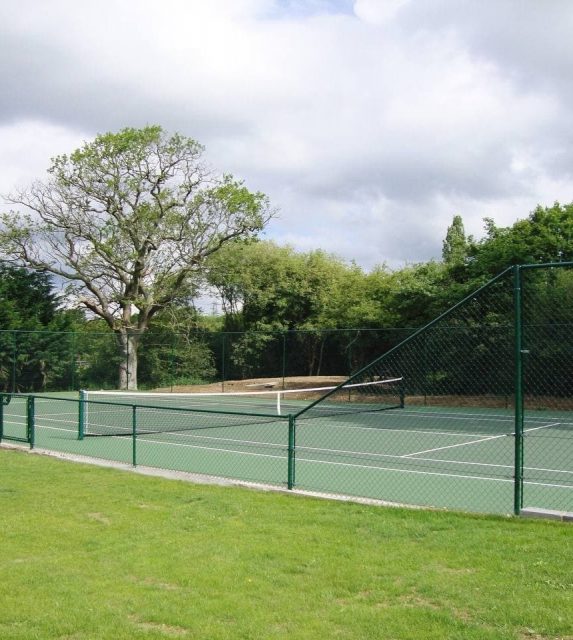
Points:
x=31 y=421
x=81 y=415
x=518 y=347
x=134 y=435
x=291 y=451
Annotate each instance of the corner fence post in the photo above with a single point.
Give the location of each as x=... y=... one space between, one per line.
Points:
x=134 y=435
x=518 y=388
x=291 y=451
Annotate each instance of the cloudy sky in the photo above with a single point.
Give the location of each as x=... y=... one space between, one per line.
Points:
x=369 y=123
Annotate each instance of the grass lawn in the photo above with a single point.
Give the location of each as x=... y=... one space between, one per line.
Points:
x=88 y=552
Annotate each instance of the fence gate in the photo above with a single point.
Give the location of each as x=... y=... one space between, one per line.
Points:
x=17 y=418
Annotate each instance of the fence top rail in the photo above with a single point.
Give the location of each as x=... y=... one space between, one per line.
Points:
x=77 y=401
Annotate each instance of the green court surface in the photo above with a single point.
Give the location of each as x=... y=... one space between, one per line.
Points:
x=442 y=457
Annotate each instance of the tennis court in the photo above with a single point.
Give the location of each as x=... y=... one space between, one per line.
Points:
x=444 y=457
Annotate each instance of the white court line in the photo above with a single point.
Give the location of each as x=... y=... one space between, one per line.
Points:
x=337 y=451
x=433 y=473
x=465 y=444
x=553 y=486
x=250 y=443
x=181 y=434
x=412 y=472
x=548 y=470
x=474 y=416
x=46 y=426
x=453 y=446
x=457 y=416
x=218 y=450
x=397 y=429
x=399 y=457
x=544 y=426
x=344 y=464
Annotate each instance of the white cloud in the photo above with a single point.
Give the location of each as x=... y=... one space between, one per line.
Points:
x=27 y=148
x=369 y=124
x=378 y=11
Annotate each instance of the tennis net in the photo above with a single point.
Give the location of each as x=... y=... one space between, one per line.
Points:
x=116 y=413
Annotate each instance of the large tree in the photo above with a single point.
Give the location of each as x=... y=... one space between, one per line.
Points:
x=128 y=220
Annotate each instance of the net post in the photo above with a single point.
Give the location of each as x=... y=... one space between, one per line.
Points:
x=518 y=390
x=31 y=421
x=291 y=451
x=134 y=435
x=82 y=414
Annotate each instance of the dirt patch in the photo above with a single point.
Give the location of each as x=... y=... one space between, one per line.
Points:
x=259 y=384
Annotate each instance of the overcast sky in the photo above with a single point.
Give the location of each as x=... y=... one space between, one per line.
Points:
x=368 y=123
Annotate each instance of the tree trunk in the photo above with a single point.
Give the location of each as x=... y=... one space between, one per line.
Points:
x=128 y=343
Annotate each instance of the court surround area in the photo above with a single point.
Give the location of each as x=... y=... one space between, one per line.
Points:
x=374 y=447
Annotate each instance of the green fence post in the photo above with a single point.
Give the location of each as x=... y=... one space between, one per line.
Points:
x=1 y=417
x=134 y=435
x=81 y=415
x=518 y=338
x=291 y=451
x=31 y=421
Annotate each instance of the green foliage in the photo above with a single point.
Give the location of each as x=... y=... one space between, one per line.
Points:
x=267 y=290
x=175 y=352
x=455 y=245
x=27 y=299
x=267 y=287
x=34 y=332
x=546 y=235
x=417 y=293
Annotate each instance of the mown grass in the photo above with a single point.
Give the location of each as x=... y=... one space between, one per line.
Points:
x=88 y=552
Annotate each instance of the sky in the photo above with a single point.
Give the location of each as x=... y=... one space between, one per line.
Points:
x=368 y=123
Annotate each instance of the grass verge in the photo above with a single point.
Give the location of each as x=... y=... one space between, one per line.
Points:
x=90 y=553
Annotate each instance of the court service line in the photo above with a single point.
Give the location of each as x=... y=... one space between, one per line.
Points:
x=410 y=471
x=453 y=446
x=477 y=416
x=372 y=454
x=544 y=426
x=545 y=484
x=345 y=464
x=218 y=449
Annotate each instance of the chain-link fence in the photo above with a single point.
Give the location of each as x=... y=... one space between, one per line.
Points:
x=472 y=412
x=37 y=361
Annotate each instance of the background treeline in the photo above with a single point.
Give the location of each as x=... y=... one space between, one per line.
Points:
x=284 y=312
